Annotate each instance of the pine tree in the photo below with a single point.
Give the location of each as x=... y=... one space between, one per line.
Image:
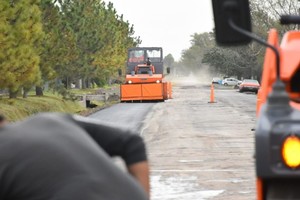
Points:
x=20 y=35
x=92 y=38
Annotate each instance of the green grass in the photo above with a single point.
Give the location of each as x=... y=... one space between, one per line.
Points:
x=16 y=109
x=20 y=108
x=91 y=90
x=110 y=86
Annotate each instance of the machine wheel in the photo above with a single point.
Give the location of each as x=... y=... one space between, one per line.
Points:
x=283 y=190
x=225 y=84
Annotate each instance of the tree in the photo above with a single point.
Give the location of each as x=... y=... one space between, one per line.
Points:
x=200 y=44
x=20 y=35
x=51 y=45
x=119 y=36
x=169 y=61
x=237 y=61
x=65 y=39
x=100 y=37
x=243 y=61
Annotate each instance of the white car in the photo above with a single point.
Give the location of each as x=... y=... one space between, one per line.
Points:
x=217 y=80
x=231 y=81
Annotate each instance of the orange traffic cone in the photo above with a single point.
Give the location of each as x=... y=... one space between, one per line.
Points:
x=212 y=95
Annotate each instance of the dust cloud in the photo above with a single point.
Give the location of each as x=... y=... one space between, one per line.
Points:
x=201 y=76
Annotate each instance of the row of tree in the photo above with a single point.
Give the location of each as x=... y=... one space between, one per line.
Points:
x=67 y=40
x=241 y=61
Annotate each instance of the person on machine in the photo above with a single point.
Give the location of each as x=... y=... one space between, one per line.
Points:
x=148 y=61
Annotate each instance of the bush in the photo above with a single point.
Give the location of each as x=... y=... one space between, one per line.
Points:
x=60 y=89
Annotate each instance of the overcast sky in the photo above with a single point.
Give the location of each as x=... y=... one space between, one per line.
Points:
x=167 y=23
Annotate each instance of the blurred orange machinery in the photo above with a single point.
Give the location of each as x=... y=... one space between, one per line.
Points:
x=290 y=68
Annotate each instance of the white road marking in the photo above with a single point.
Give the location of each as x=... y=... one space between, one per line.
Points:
x=200 y=170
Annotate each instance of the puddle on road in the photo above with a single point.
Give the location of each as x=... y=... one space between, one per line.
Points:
x=173 y=188
x=245 y=192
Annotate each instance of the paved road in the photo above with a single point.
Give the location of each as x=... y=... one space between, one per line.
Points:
x=199 y=150
x=128 y=115
x=196 y=150
x=245 y=102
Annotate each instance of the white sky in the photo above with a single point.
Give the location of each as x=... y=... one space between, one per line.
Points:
x=167 y=23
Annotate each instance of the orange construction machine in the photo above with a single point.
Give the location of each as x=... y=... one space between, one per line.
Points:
x=144 y=77
x=277 y=133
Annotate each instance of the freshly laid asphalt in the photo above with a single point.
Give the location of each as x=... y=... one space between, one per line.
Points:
x=127 y=115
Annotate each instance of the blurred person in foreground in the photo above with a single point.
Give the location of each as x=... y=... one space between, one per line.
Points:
x=63 y=157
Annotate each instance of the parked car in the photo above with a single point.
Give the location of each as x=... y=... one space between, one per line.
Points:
x=217 y=80
x=249 y=85
x=231 y=81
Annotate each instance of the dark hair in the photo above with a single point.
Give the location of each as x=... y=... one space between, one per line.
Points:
x=2 y=118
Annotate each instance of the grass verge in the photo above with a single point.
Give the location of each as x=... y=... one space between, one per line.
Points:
x=20 y=108
x=17 y=109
